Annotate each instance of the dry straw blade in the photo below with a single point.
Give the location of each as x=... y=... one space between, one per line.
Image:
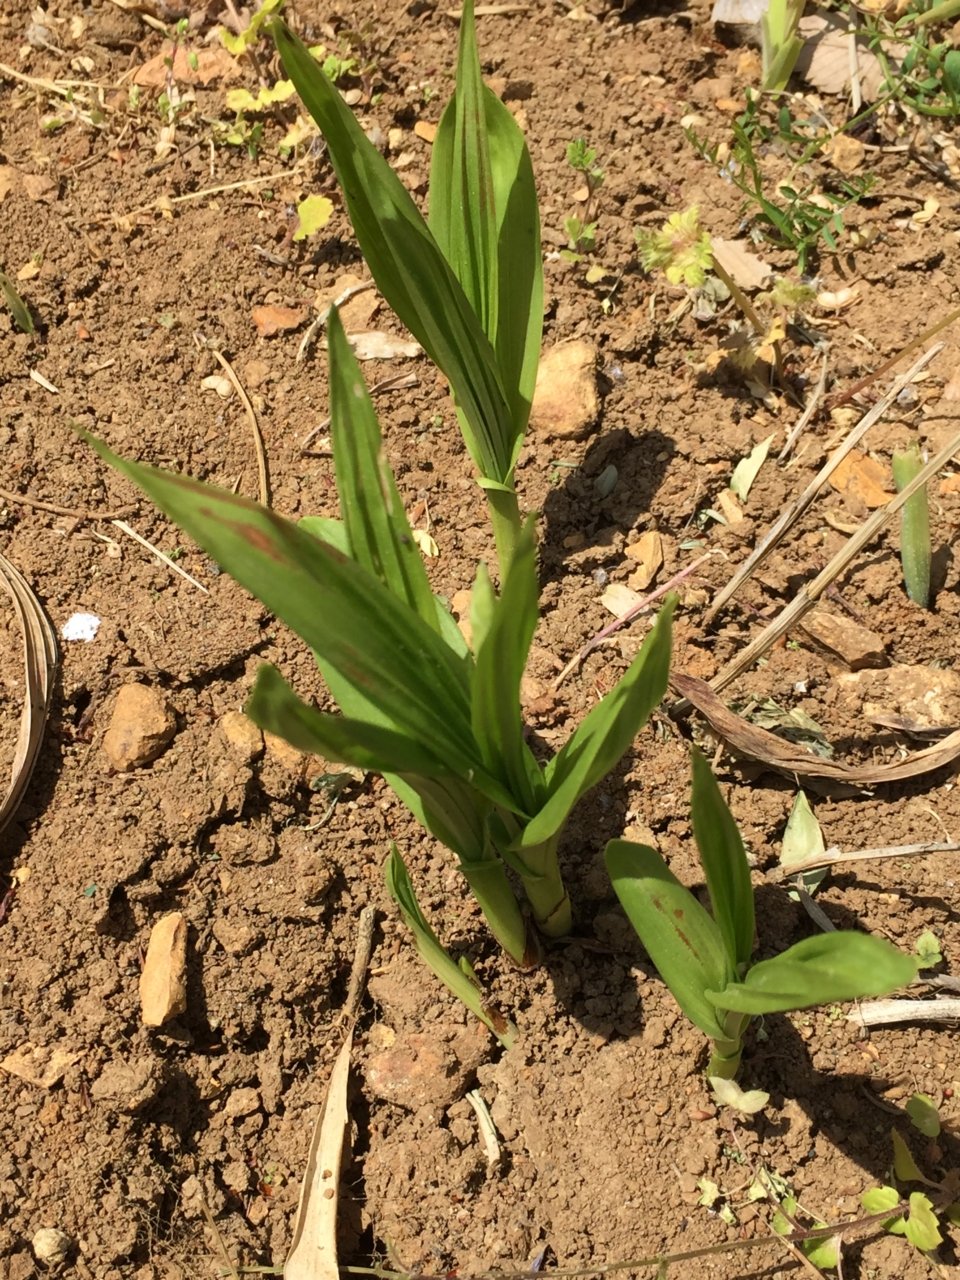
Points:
x=40 y=656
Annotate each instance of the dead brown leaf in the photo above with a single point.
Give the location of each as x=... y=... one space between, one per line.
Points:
x=744 y=267
x=864 y=478
x=791 y=759
x=824 y=60
x=425 y=130
x=648 y=552
x=270 y=319
x=212 y=64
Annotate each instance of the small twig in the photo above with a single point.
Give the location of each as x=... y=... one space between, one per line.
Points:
x=807 y=596
x=881 y=1013
x=630 y=614
x=321 y=319
x=808 y=412
x=796 y=508
x=211 y=1223
x=41 y=381
x=488 y=1132
x=834 y=401
x=209 y=191
x=25 y=500
x=254 y=427
x=361 y=962
x=132 y=533
x=833 y=857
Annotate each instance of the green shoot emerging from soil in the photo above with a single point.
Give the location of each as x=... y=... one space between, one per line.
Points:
x=705 y=959
x=915 y=551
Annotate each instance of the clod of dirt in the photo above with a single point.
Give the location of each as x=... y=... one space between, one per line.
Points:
x=925 y=695
x=242 y=734
x=42 y=1065
x=418 y=1071
x=565 y=402
x=857 y=646
x=242 y=1102
x=163 y=982
x=51 y=1245
x=281 y=751
x=141 y=726
x=864 y=478
x=129 y=1086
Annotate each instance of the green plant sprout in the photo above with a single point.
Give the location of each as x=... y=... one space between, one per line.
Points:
x=792 y=219
x=442 y=724
x=928 y=949
x=916 y=1217
x=705 y=959
x=581 y=232
x=925 y=78
x=780 y=43
x=469 y=286
x=915 y=550
x=18 y=308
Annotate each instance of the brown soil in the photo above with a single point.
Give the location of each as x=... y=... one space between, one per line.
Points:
x=601 y=1108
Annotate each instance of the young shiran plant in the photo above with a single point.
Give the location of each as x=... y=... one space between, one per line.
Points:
x=469 y=286
x=705 y=959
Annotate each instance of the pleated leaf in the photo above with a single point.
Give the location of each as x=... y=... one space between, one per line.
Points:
x=375 y=521
x=344 y=613
x=606 y=733
x=410 y=270
x=680 y=937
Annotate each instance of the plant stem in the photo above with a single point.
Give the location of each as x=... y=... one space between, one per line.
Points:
x=505 y=517
x=491 y=888
x=725 y=1060
x=548 y=897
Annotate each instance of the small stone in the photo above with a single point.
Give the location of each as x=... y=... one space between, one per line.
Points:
x=281 y=751
x=857 y=646
x=163 y=982
x=141 y=726
x=40 y=1065
x=417 y=1071
x=565 y=402
x=648 y=552
x=655 y=1032
x=242 y=1102
x=51 y=1245
x=242 y=734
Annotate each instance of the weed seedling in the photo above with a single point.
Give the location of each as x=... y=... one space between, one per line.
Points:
x=705 y=959
x=581 y=232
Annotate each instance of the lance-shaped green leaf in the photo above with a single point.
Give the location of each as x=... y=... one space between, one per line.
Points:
x=436 y=958
x=373 y=515
x=724 y=862
x=606 y=733
x=345 y=614
x=463 y=215
x=500 y=660
x=275 y=707
x=410 y=270
x=480 y=147
x=820 y=970
x=680 y=937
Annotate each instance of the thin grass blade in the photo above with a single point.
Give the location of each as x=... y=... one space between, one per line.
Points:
x=915 y=550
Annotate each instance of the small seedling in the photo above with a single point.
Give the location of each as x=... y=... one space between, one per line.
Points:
x=915 y=551
x=18 y=308
x=706 y=960
x=928 y=949
x=916 y=1217
x=681 y=249
x=780 y=43
x=581 y=232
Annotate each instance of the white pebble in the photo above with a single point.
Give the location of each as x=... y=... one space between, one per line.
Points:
x=51 y=1245
x=81 y=626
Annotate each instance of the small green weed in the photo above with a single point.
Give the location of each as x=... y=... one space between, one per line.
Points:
x=581 y=232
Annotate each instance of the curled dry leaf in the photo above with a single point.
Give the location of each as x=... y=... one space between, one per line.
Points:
x=270 y=319
x=40 y=661
x=793 y=760
x=864 y=478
